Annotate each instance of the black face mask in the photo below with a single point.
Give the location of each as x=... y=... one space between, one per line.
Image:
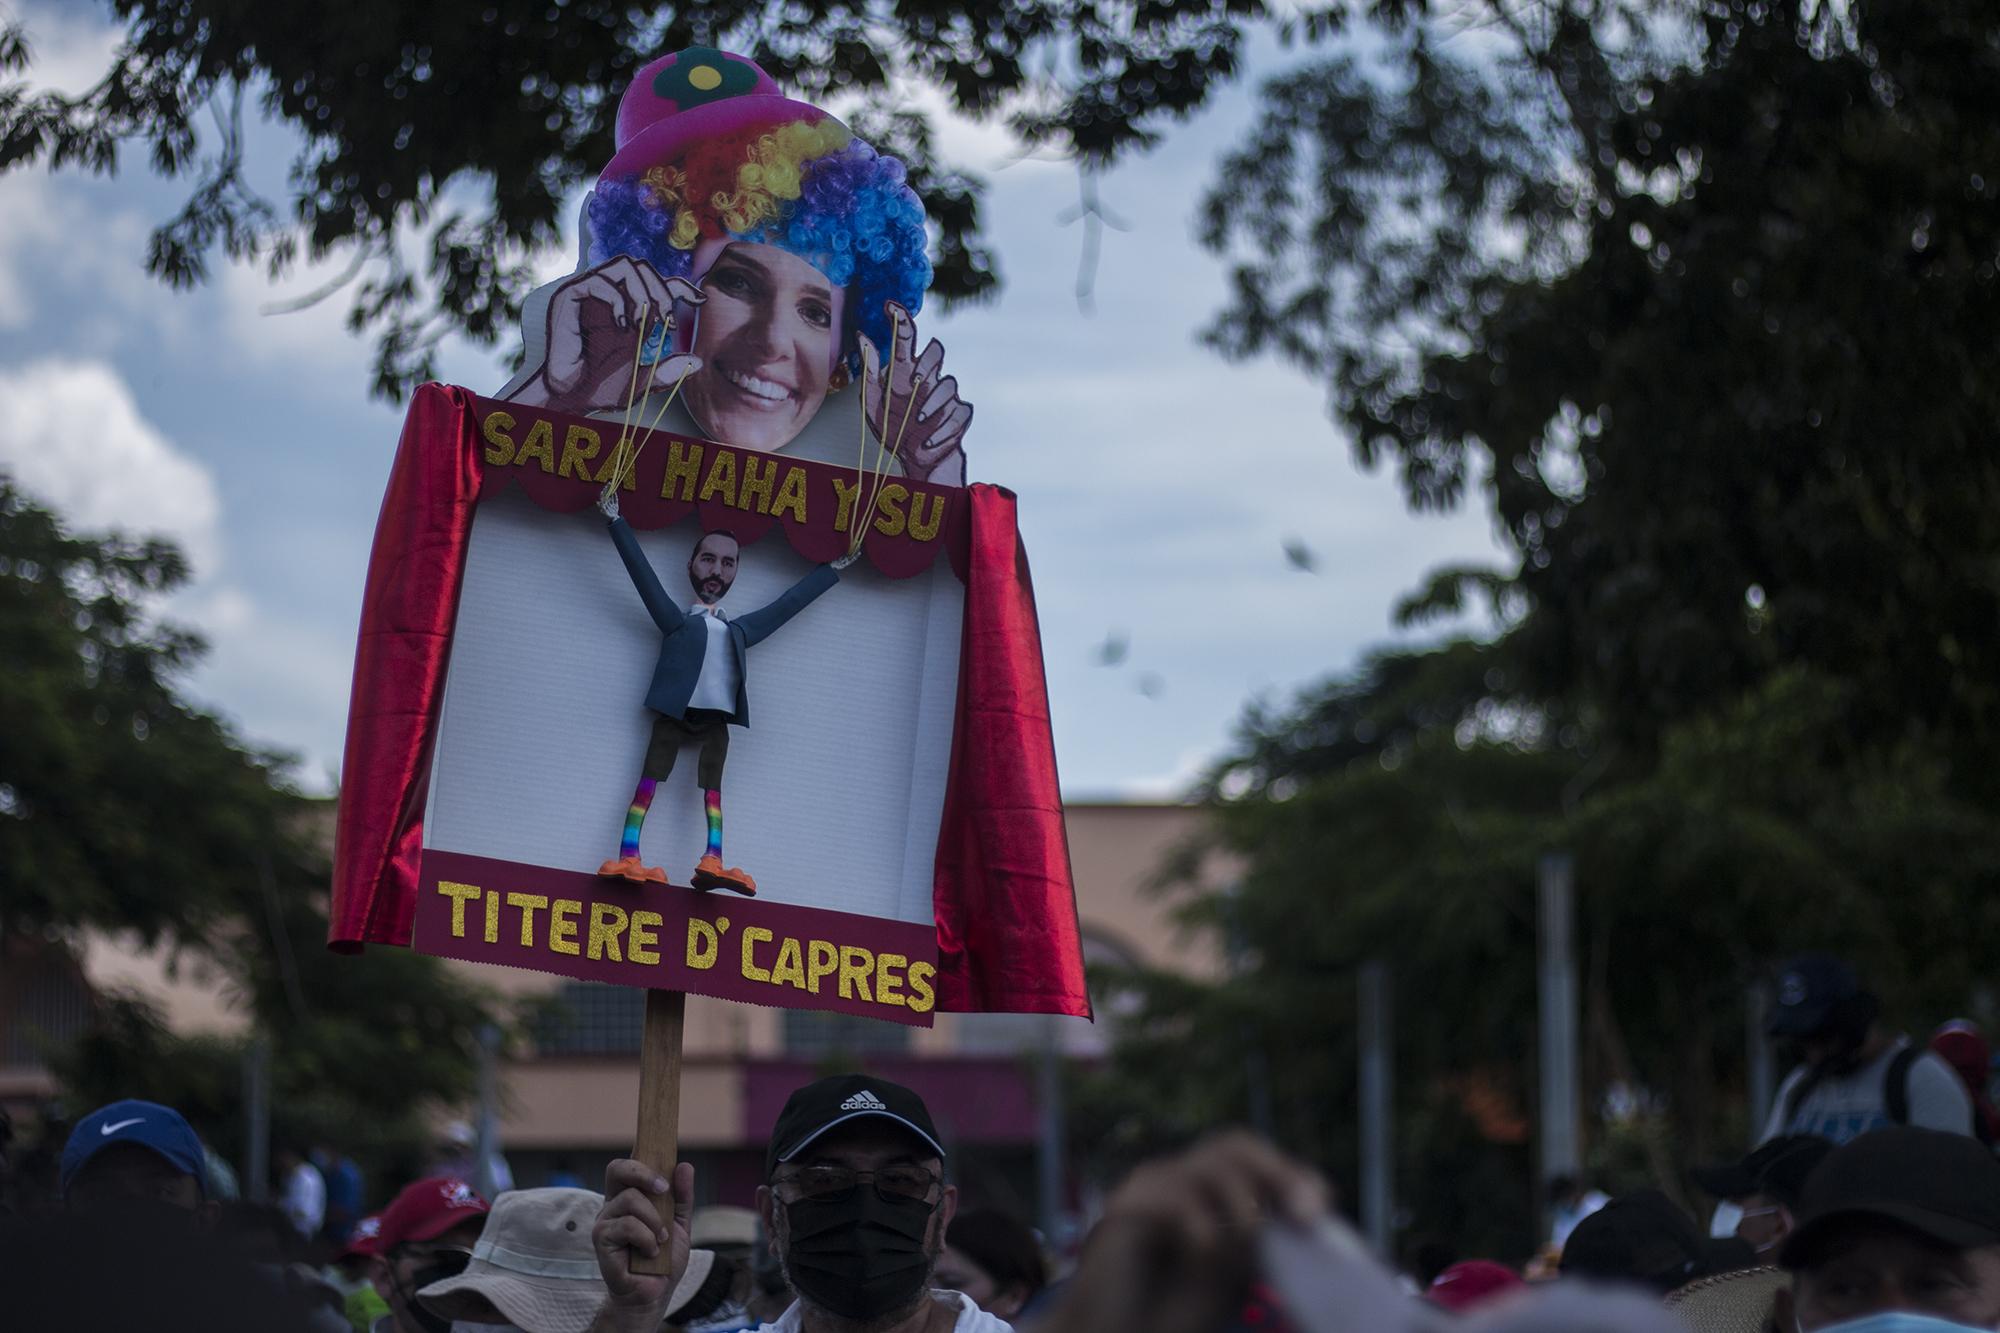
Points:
x=861 y=1256
x=446 y=1263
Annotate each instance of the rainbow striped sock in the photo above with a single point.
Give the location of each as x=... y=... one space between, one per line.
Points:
x=642 y=800
x=712 y=801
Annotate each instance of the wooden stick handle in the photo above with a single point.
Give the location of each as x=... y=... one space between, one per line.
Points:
x=658 y=1144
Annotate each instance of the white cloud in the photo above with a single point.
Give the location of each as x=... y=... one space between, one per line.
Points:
x=72 y=259
x=257 y=313
x=26 y=229
x=72 y=435
x=70 y=50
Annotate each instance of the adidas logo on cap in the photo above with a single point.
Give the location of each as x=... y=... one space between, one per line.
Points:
x=864 y=1101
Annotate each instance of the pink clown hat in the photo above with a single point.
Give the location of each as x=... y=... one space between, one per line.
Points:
x=700 y=93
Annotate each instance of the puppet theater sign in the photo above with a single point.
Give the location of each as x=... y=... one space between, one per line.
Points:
x=689 y=660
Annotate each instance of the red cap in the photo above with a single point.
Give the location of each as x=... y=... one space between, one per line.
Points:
x=365 y=1239
x=1964 y=1050
x=1472 y=1284
x=426 y=1210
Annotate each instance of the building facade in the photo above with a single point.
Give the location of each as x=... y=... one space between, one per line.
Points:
x=570 y=1101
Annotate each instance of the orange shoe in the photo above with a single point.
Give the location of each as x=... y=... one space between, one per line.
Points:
x=632 y=868
x=709 y=874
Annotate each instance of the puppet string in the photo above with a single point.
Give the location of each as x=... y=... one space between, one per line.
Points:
x=892 y=451
x=625 y=430
x=632 y=455
x=860 y=455
x=863 y=514
x=654 y=425
x=628 y=460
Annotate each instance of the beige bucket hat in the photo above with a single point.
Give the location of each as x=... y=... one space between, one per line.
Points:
x=534 y=1265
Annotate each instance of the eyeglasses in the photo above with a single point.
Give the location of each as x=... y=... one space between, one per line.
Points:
x=893 y=1184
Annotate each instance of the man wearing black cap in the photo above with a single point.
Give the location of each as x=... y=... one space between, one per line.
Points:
x=1855 y=1075
x=855 y=1205
x=1899 y=1229
x=1643 y=1238
x=1765 y=1189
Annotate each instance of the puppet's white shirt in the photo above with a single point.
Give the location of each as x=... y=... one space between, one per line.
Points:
x=715 y=687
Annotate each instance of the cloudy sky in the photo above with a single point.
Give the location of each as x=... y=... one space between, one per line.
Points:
x=1158 y=485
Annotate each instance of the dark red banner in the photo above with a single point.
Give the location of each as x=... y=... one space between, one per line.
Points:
x=562 y=462
x=665 y=937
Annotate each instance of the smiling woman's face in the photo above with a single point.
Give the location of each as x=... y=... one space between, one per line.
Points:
x=768 y=336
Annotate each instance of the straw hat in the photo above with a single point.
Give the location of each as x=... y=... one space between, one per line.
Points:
x=535 y=1265
x=1738 y=1302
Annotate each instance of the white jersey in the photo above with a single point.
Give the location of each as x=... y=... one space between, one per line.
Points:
x=971 y=1319
x=1847 y=1106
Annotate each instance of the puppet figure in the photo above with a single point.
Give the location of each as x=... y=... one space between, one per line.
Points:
x=793 y=254
x=701 y=684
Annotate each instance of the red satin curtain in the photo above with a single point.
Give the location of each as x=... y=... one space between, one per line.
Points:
x=407 y=613
x=1005 y=902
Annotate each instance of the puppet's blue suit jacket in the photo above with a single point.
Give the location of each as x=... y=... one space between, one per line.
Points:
x=686 y=641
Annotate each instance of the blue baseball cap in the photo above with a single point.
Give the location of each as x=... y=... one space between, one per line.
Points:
x=1809 y=990
x=148 y=1124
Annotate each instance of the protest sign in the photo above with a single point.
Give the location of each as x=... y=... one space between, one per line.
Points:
x=707 y=574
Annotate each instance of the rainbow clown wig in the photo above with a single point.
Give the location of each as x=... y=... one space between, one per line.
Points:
x=709 y=149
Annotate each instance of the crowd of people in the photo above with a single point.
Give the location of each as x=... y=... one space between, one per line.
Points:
x=1870 y=1204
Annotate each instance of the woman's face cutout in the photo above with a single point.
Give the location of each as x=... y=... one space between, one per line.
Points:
x=769 y=336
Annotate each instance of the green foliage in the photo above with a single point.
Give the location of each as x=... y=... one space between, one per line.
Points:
x=439 y=140
x=1703 y=304
x=1700 y=300
x=1415 y=848
x=1760 y=832
x=120 y=804
x=127 y=810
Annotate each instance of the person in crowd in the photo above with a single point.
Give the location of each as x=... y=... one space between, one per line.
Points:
x=263 y=1235
x=726 y=1229
x=1571 y=1199
x=532 y=1267
x=135 y=1269
x=427 y=1235
x=457 y=1156
x=136 y=1155
x=351 y=1273
x=703 y=1298
x=1765 y=1188
x=1184 y=1239
x=1176 y=1249
x=770 y=1293
x=346 y=1193
x=731 y=1234
x=1898 y=1230
x=1855 y=1075
x=301 y=1189
x=1964 y=1047
x=1644 y=1239
x=855 y=1206
x=1428 y=1258
x=994 y=1259
x=222 y=1183
x=1474 y=1284
x=1744 y=1300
